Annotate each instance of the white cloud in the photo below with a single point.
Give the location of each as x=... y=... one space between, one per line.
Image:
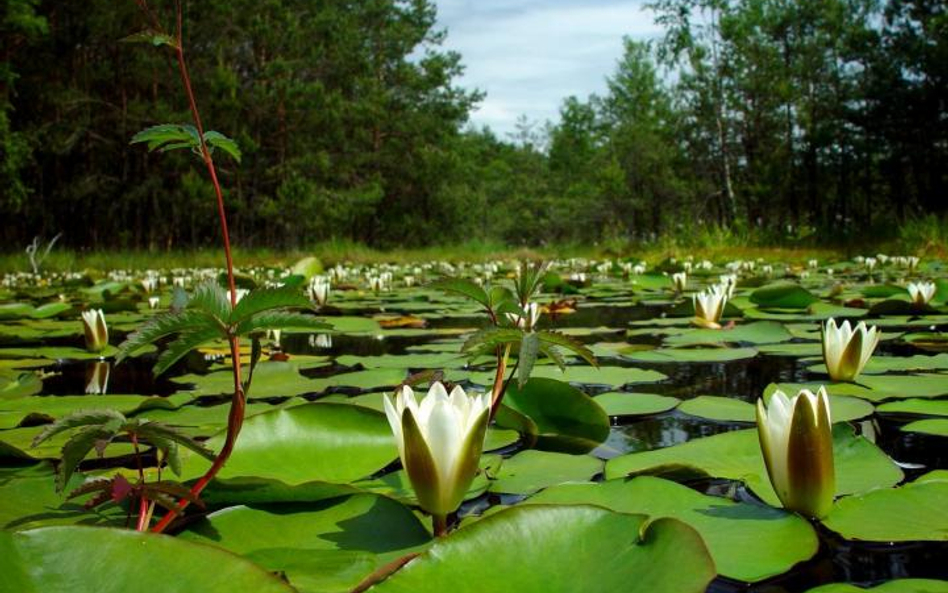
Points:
x=529 y=55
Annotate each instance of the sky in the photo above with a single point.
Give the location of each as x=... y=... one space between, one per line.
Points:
x=529 y=55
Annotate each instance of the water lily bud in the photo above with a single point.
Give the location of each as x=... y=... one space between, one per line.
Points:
x=680 y=281
x=97 y=333
x=796 y=439
x=319 y=289
x=845 y=350
x=709 y=306
x=439 y=442
x=921 y=292
x=153 y=302
x=813 y=264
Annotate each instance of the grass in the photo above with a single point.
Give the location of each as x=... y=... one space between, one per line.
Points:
x=335 y=252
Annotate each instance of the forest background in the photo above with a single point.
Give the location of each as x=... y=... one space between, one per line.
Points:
x=765 y=122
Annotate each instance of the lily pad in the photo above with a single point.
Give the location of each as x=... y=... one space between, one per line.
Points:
x=759 y=332
x=622 y=403
x=783 y=295
x=581 y=549
x=896 y=586
x=726 y=409
x=318 y=442
x=692 y=355
x=860 y=465
x=913 y=512
x=924 y=407
x=529 y=471
x=933 y=426
x=326 y=546
x=748 y=542
x=555 y=412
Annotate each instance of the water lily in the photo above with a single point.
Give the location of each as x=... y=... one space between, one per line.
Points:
x=529 y=318
x=439 y=442
x=796 y=439
x=679 y=281
x=97 y=333
x=846 y=350
x=153 y=302
x=319 y=289
x=709 y=306
x=638 y=269
x=921 y=292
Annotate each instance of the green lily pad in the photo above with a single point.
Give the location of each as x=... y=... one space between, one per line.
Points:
x=759 y=332
x=924 y=407
x=529 y=471
x=726 y=409
x=18 y=387
x=555 y=412
x=318 y=442
x=783 y=295
x=934 y=426
x=612 y=376
x=748 y=542
x=896 y=586
x=622 y=403
x=691 y=355
x=581 y=549
x=72 y=559
x=912 y=512
x=270 y=379
x=860 y=465
x=325 y=546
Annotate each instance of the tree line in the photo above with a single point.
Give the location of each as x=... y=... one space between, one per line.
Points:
x=773 y=119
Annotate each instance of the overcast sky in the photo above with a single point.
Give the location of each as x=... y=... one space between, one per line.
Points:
x=528 y=55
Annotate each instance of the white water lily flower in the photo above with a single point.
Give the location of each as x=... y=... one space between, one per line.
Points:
x=921 y=292
x=680 y=281
x=870 y=263
x=153 y=302
x=638 y=269
x=439 y=442
x=319 y=289
x=96 y=332
x=796 y=439
x=527 y=321
x=813 y=264
x=709 y=306
x=845 y=350
x=911 y=262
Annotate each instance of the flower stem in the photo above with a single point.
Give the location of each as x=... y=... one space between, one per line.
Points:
x=236 y=416
x=440 y=524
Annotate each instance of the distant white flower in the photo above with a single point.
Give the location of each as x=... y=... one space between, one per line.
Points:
x=921 y=292
x=527 y=321
x=96 y=332
x=319 y=289
x=153 y=302
x=813 y=264
x=679 y=281
x=709 y=306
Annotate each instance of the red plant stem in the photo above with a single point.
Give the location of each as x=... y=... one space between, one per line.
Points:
x=142 y=524
x=235 y=418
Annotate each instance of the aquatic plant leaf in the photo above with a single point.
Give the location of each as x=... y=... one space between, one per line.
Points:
x=328 y=545
x=71 y=559
x=911 y=512
x=581 y=549
x=748 y=542
x=530 y=470
x=268 y=299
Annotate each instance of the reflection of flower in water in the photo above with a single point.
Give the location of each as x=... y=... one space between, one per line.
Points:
x=97 y=377
x=320 y=341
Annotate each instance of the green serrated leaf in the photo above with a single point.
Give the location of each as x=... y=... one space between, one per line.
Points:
x=186 y=342
x=163 y=325
x=529 y=347
x=281 y=320
x=269 y=299
x=77 y=419
x=463 y=287
x=79 y=445
x=152 y=37
x=228 y=145
x=211 y=298
x=570 y=344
